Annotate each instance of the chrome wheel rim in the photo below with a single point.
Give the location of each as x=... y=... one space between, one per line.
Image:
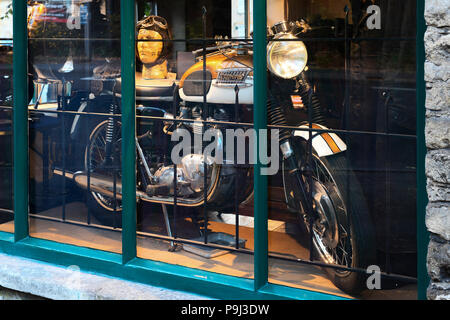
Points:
x=340 y=250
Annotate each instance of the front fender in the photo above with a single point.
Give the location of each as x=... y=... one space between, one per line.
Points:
x=325 y=144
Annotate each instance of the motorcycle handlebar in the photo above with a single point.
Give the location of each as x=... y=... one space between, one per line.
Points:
x=231 y=45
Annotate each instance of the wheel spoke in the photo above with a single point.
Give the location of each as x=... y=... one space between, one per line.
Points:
x=97 y=155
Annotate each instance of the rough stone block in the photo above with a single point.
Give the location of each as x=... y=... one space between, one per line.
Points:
x=435 y=72
x=438 y=260
x=438 y=192
x=437 y=133
x=438 y=99
x=437 y=166
x=438 y=220
x=437 y=43
x=437 y=13
x=439 y=291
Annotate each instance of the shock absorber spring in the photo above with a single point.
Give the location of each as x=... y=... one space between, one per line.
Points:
x=110 y=126
x=110 y=134
x=276 y=117
x=311 y=101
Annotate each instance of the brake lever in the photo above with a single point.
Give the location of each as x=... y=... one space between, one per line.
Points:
x=303 y=26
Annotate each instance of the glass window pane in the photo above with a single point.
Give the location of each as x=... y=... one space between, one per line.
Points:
x=75 y=149
x=194 y=82
x=356 y=96
x=224 y=18
x=6 y=104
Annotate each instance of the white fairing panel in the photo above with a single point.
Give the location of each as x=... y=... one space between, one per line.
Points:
x=223 y=94
x=325 y=144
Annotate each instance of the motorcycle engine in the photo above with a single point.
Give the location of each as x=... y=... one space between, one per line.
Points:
x=190 y=177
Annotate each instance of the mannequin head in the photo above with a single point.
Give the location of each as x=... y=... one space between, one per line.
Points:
x=153 y=50
x=149 y=51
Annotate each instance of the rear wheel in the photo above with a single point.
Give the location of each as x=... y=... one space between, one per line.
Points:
x=105 y=208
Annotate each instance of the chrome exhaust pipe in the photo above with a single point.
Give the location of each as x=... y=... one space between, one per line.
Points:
x=98 y=183
x=105 y=186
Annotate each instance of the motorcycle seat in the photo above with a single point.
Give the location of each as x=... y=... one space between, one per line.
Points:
x=148 y=90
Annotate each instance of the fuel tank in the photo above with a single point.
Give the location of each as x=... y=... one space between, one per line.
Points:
x=223 y=72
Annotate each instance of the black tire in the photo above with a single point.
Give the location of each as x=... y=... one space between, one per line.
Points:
x=104 y=216
x=361 y=237
x=223 y=201
x=101 y=207
x=361 y=227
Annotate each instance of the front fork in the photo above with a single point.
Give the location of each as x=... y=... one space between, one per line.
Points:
x=301 y=192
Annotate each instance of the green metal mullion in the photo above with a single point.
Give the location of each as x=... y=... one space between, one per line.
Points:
x=127 y=10
x=260 y=122
x=20 y=119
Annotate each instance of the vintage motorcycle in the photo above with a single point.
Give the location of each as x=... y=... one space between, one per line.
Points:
x=319 y=186
x=221 y=89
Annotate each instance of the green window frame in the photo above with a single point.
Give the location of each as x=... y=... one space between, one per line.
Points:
x=127 y=265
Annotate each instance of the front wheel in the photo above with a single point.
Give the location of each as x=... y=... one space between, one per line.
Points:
x=342 y=233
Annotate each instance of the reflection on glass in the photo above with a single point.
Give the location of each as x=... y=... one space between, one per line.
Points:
x=75 y=148
x=360 y=209
x=187 y=196
x=185 y=17
x=242 y=18
x=6 y=103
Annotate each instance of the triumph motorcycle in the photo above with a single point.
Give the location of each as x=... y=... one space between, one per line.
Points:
x=319 y=185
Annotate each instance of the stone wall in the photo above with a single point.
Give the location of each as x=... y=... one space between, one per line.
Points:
x=437 y=135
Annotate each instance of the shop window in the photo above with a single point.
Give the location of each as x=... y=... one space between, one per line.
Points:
x=339 y=152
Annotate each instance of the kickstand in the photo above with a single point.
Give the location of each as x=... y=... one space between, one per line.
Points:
x=173 y=246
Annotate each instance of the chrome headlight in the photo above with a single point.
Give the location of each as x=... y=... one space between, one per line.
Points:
x=286 y=59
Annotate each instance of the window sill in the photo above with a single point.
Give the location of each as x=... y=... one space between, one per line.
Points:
x=52 y=282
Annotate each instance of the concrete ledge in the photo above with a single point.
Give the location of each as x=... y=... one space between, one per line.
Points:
x=52 y=282
x=8 y=294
